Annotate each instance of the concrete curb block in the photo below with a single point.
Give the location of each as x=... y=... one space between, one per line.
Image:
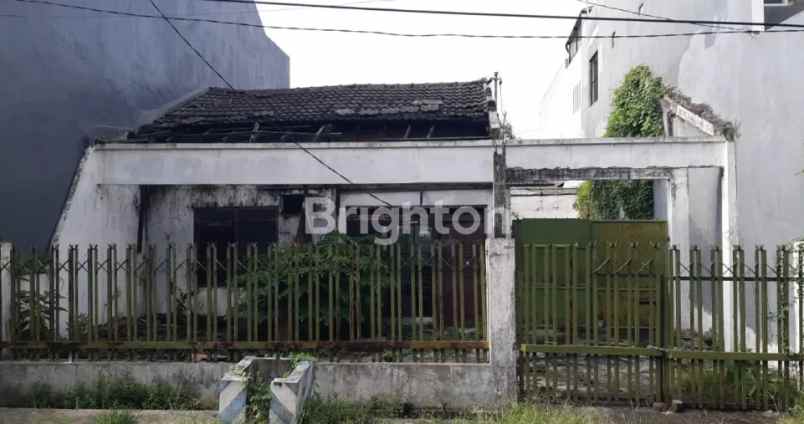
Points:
x=290 y=393
x=234 y=397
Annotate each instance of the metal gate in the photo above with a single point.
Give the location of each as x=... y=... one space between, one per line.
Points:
x=637 y=323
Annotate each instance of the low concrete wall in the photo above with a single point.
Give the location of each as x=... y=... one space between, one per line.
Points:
x=458 y=386
x=17 y=377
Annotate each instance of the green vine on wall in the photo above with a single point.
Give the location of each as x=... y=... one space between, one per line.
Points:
x=636 y=112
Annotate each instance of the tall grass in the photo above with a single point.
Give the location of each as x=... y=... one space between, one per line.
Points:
x=115 y=393
x=335 y=412
x=116 y=417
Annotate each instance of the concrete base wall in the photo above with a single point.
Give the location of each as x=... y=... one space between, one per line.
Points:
x=458 y=386
x=17 y=377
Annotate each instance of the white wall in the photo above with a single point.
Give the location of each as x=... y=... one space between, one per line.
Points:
x=433 y=162
x=95 y=214
x=540 y=203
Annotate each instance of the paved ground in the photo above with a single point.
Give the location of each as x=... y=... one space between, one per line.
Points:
x=87 y=416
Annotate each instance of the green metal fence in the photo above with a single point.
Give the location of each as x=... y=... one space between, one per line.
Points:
x=341 y=299
x=636 y=324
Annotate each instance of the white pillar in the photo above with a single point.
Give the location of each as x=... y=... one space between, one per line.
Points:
x=678 y=223
x=500 y=280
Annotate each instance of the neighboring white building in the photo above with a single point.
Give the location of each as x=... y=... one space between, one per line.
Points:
x=750 y=80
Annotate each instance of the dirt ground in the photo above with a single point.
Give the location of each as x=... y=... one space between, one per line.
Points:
x=87 y=416
x=649 y=416
x=612 y=416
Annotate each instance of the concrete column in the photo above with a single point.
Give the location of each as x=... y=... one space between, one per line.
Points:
x=679 y=227
x=5 y=290
x=661 y=210
x=700 y=216
x=730 y=238
x=500 y=267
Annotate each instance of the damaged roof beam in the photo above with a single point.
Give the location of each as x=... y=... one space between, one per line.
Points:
x=431 y=131
x=255 y=132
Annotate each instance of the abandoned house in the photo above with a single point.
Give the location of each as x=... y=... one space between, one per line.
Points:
x=188 y=239
x=248 y=201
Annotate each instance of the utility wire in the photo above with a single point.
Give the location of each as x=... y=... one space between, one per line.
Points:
x=228 y=84
x=202 y=14
x=502 y=15
x=395 y=34
x=664 y=18
x=190 y=45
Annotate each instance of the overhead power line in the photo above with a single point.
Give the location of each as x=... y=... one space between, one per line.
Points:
x=503 y=15
x=190 y=45
x=664 y=18
x=228 y=84
x=391 y=33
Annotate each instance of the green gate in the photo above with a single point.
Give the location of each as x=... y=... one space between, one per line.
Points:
x=608 y=313
x=587 y=308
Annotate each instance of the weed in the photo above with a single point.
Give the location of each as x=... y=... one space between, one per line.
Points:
x=335 y=412
x=331 y=412
x=545 y=414
x=116 y=417
x=115 y=393
x=299 y=357
x=259 y=400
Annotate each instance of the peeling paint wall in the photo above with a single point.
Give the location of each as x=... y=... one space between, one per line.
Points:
x=525 y=204
x=169 y=219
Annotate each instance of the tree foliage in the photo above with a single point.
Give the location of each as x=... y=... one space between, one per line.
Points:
x=636 y=112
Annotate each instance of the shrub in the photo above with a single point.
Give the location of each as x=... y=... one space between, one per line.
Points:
x=636 y=112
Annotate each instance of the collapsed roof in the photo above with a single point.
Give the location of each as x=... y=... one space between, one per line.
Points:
x=331 y=113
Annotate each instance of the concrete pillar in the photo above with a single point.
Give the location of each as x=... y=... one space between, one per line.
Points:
x=500 y=267
x=697 y=217
x=661 y=210
x=5 y=290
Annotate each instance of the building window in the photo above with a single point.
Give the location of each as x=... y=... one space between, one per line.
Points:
x=593 y=79
x=778 y=11
x=226 y=226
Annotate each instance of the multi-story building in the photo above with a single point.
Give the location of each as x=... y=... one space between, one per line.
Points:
x=746 y=80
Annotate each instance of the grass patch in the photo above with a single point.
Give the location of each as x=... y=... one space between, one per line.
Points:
x=116 y=417
x=115 y=393
x=546 y=414
x=317 y=411
x=333 y=412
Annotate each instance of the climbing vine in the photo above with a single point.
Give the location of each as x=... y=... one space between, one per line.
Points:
x=636 y=112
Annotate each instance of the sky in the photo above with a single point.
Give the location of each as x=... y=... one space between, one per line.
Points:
x=526 y=66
